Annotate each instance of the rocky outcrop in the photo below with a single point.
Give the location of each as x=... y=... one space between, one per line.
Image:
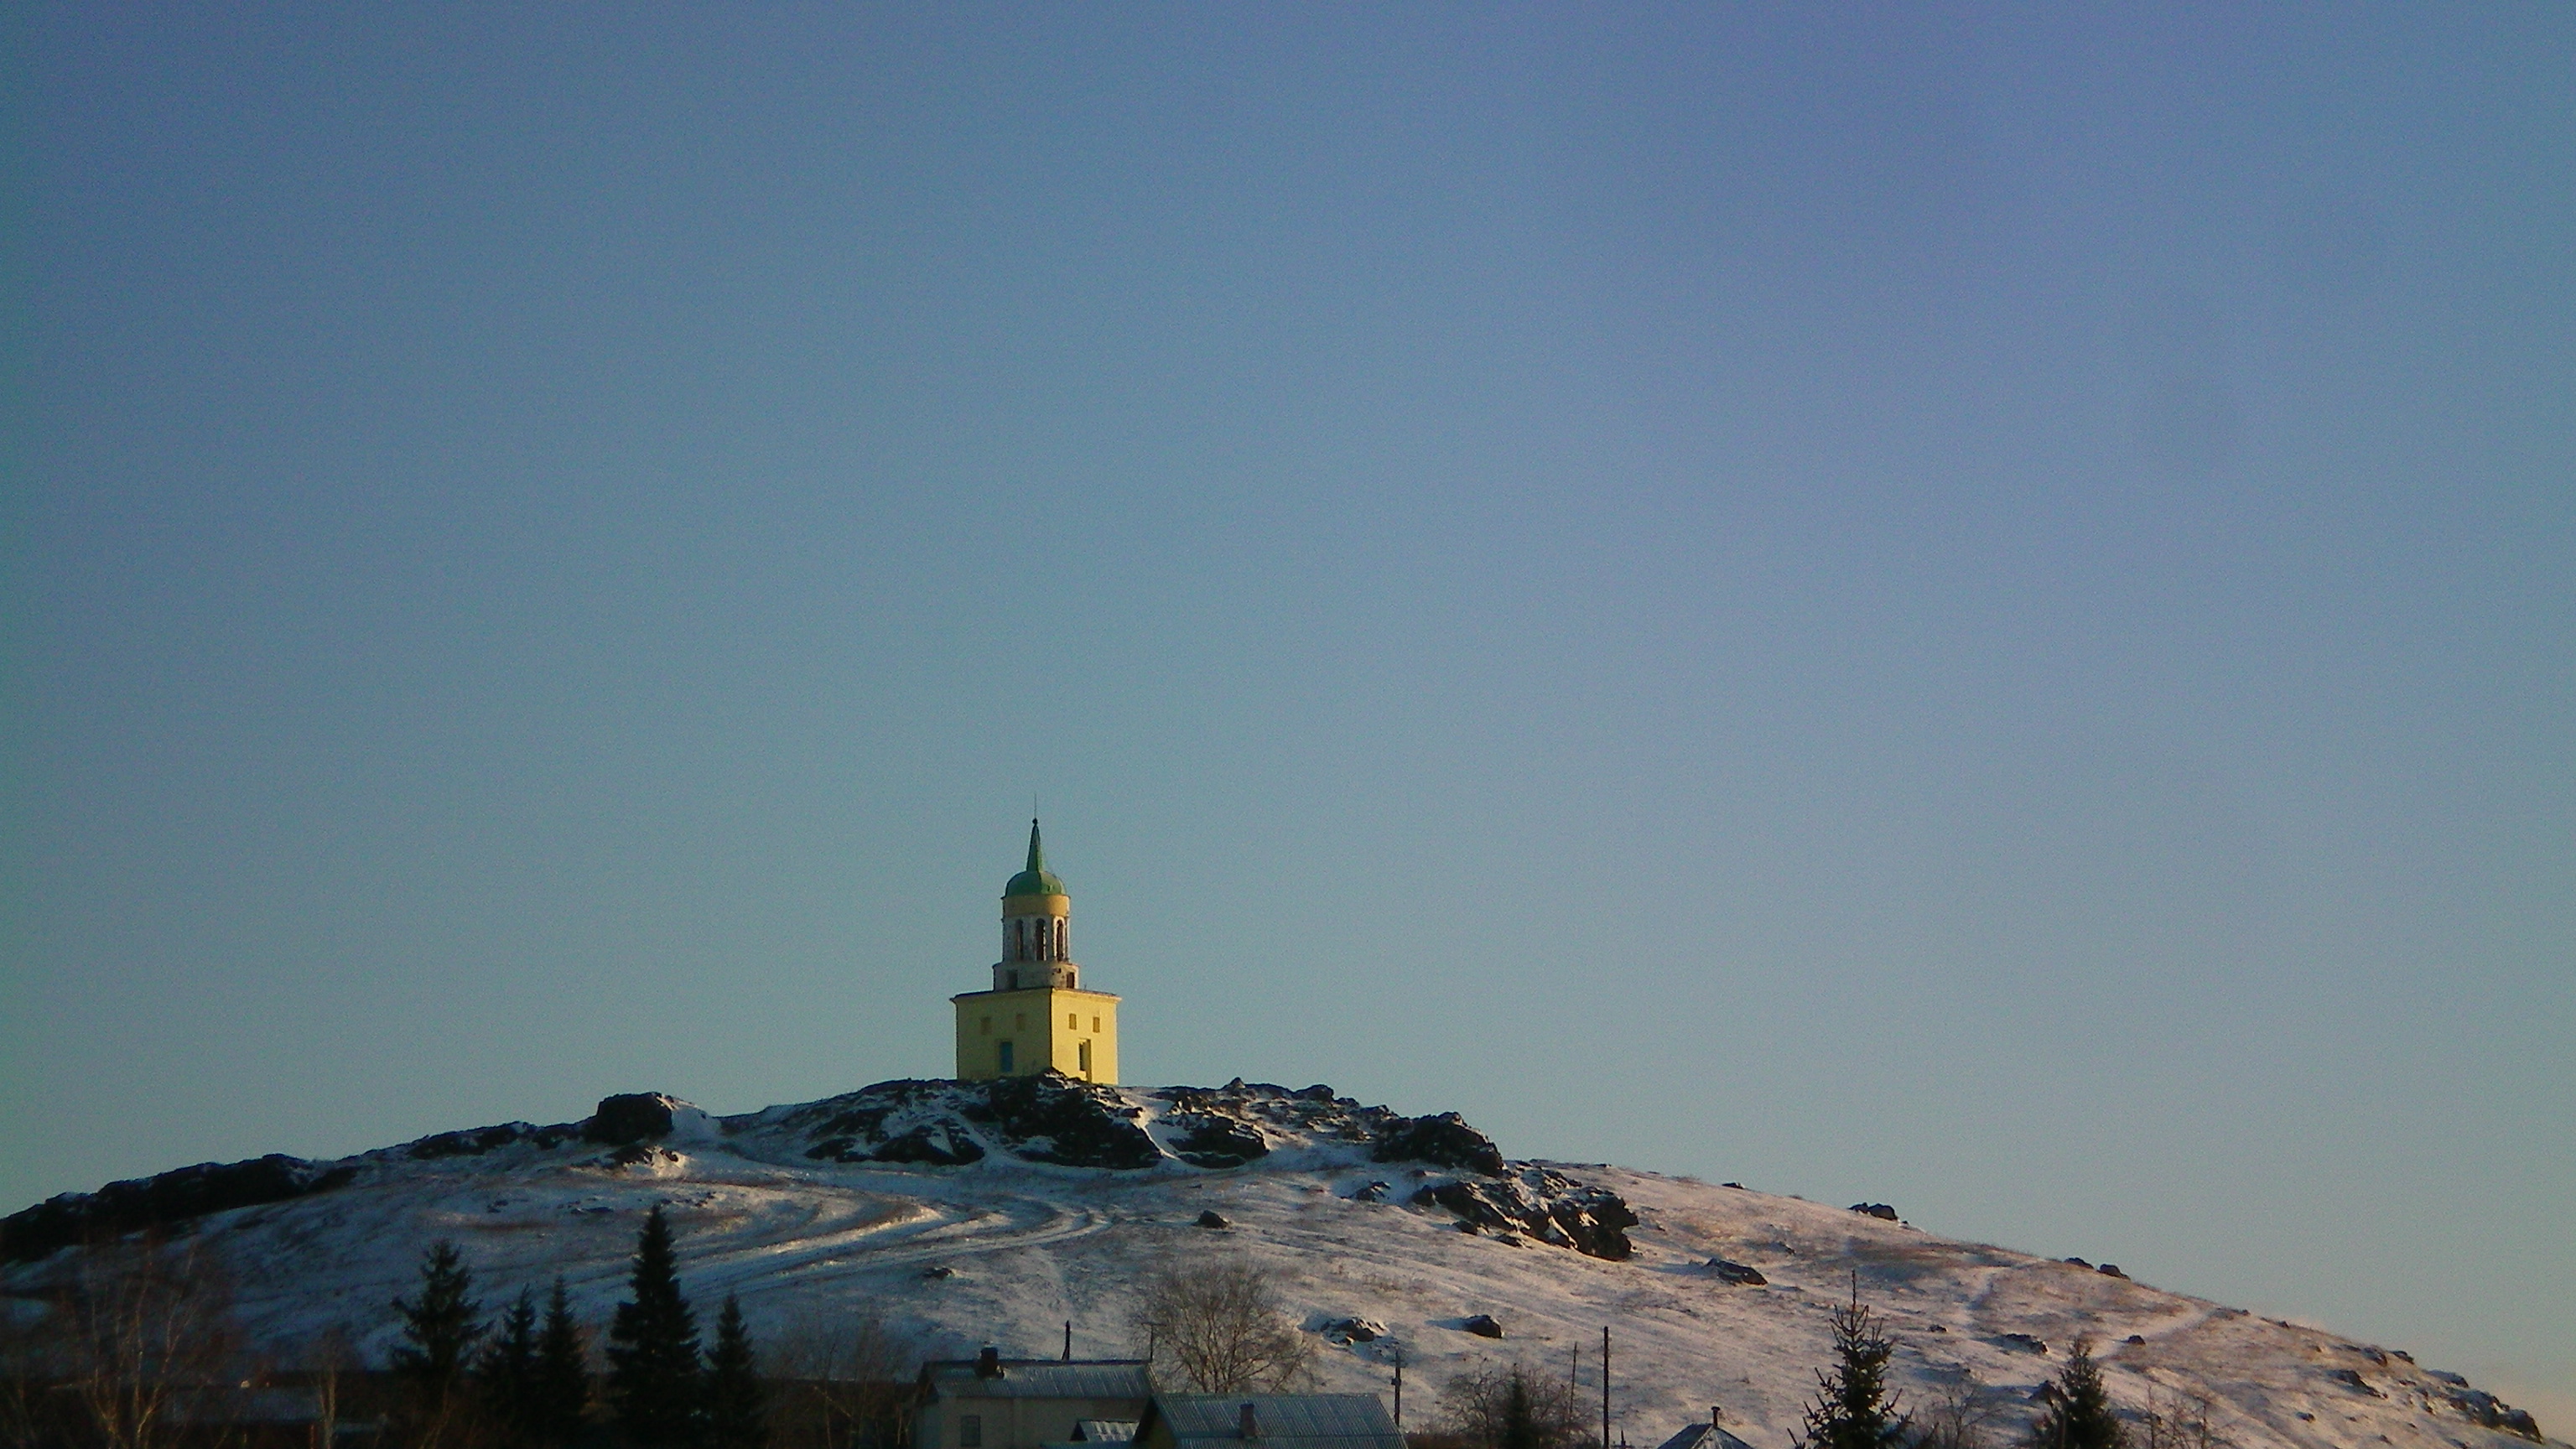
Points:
x=932 y=1145
x=630 y=1117
x=1347 y=1331
x=1057 y=1119
x=1213 y=1141
x=2485 y=1409
x=477 y=1141
x=1443 y=1141
x=1741 y=1274
x=170 y=1199
x=1048 y=1118
x=1542 y=1203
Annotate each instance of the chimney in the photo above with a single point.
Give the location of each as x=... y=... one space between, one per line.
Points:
x=988 y=1364
x=1246 y=1426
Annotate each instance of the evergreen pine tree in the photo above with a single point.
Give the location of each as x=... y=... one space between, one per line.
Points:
x=2079 y=1414
x=655 y=1378
x=1520 y=1416
x=441 y=1328
x=1853 y=1409
x=507 y=1375
x=736 y=1416
x=560 y=1390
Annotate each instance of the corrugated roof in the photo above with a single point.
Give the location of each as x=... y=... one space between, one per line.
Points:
x=1040 y=1378
x=1288 y=1421
x=1704 y=1436
x=1105 y=1431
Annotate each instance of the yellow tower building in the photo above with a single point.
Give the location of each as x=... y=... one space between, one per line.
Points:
x=1037 y=1018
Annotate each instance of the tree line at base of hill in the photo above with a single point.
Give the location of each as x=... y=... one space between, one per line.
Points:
x=138 y=1348
x=524 y=1381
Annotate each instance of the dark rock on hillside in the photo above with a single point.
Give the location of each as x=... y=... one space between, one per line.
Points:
x=933 y=1146
x=630 y=1117
x=1468 y=1203
x=1213 y=1141
x=1057 y=1119
x=1743 y=1274
x=1050 y=1118
x=2110 y=1270
x=1875 y=1210
x=2481 y=1407
x=1546 y=1205
x=1245 y=1107
x=1444 y=1141
x=167 y=1200
x=1483 y=1326
x=475 y=1142
x=1214 y=1219
x=1597 y=1219
x=849 y=1126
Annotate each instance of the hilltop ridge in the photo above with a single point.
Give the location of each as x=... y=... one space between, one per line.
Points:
x=995 y=1212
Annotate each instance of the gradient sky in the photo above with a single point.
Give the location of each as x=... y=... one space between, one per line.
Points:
x=1970 y=607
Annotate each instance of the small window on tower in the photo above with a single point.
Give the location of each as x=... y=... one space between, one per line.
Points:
x=1002 y=1053
x=1072 y=1022
x=1095 y=1023
x=1019 y=1021
x=986 y=1029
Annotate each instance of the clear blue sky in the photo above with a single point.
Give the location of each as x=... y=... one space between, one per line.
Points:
x=1970 y=607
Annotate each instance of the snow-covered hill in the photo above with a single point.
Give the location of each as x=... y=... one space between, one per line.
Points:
x=995 y=1213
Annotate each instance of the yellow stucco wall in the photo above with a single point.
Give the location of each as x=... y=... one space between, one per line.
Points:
x=1047 y=1029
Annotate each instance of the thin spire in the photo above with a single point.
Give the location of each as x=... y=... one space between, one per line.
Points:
x=1037 y=852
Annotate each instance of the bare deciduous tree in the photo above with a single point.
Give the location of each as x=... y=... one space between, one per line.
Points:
x=1960 y=1418
x=27 y=1365
x=2179 y=1422
x=1509 y=1406
x=1222 y=1329
x=329 y=1358
x=841 y=1383
x=145 y=1326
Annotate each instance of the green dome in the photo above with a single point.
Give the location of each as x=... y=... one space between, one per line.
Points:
x=1037 y=880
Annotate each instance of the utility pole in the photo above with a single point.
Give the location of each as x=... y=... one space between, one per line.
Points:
x=1399 y=1387
x=1605 y=1386
x=1068 y=1340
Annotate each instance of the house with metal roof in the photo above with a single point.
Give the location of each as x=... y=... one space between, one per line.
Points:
x=992 y=1402
x=1705 y=1434
x=1269 y=1421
